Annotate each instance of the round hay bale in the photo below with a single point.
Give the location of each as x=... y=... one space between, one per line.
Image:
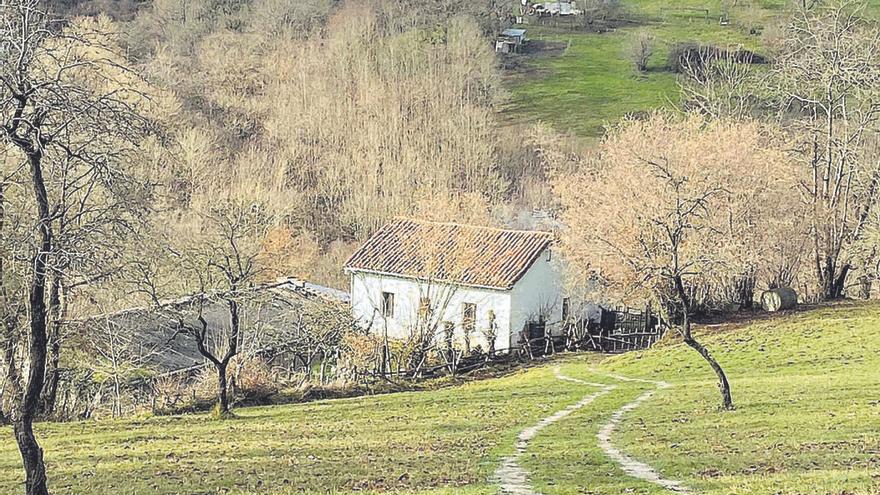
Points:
x=779 y=299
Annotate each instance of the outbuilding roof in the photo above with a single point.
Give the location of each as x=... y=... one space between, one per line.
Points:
x=450 y=253
x=153 y=334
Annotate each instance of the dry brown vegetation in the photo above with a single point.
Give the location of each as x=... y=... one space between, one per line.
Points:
x=672 y=210
x=209 y=146
x=619 y=207
x=337 y=118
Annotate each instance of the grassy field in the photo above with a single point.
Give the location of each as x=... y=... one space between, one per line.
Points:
x=593 y=83
x=806 y=388
x=808 y=405
x=445 y=441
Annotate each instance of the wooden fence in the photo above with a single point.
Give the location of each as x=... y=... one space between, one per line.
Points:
x=618 y=330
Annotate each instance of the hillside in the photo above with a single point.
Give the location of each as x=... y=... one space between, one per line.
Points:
x=806 y=393
x=592 y=83
x=804 y=384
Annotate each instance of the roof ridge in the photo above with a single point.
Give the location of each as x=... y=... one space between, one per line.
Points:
x=457 y=224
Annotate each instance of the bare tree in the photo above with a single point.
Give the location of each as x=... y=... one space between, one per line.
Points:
x=640 y=50
x=64 y=95
x=826 y=79
x=722 y=87
x=119 y=358
x=212 y=259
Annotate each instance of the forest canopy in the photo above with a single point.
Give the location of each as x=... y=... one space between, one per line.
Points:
x=336 y=115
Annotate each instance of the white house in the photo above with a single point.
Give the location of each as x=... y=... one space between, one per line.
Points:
x=467 y=277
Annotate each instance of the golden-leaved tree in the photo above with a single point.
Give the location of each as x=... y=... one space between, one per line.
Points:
x=672 y=205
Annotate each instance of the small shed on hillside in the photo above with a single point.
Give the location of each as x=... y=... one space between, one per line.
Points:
x=510 y=41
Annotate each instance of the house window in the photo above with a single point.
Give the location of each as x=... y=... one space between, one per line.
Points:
x=565 y=309
x=388 y=304
x=469 y=317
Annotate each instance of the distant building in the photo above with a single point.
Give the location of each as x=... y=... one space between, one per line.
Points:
x=465 y=277
x=510 y=41
x=154 y=332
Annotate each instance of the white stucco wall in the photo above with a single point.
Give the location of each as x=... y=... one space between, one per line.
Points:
x=366 y=300
x=540 y=289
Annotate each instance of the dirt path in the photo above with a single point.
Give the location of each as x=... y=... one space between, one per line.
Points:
x=513 y=479
x=510 y=476
x=630 y=466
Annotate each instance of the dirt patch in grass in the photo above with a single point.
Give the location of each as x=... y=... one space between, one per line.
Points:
x=521 y=65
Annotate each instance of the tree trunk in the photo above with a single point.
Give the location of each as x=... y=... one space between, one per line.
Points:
x=723 y=384
x=865 y=283
x=9 y=322
x=50 y=389
x=223 y=402
x=12 y=381
x=386 y=351
x=232 y=350
x=32 y=458
x=323 y=374
x=117 y=395
x=840 y=282
x=833 y=281
x=31 y=453
x=745 y=291
x=449 y=335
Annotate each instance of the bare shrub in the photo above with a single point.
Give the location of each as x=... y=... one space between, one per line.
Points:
x=691 y=57
x=361 y=354
x=640 y=49
x=170 y=393
x=254 y=379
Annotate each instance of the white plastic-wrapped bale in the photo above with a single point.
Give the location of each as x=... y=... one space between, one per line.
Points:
x=779 y=299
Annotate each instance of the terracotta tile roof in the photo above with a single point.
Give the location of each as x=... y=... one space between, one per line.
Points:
x=449 y=252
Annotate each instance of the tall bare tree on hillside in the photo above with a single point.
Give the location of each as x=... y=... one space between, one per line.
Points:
x=827 y=78
x=64 y=96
